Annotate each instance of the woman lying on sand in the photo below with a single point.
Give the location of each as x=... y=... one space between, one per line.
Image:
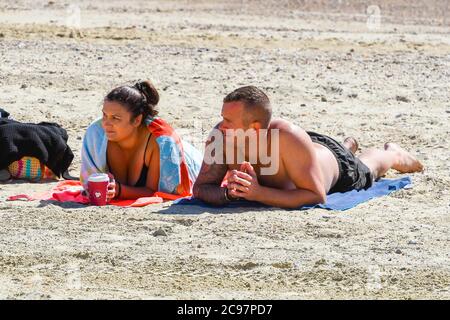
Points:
x=139 y=150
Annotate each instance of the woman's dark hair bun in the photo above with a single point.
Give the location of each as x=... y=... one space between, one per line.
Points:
x=149 y=91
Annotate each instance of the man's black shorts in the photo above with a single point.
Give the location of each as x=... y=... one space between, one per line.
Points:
x=353 y=174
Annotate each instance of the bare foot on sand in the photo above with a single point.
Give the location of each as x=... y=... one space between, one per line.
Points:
x=407 y=163
x=351 y=144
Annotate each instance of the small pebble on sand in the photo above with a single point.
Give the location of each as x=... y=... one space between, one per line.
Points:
x=160 y=232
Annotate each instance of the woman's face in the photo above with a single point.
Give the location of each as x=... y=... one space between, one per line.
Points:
x=117 y=121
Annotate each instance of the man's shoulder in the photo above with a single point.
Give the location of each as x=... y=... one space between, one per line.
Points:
x=289 y=132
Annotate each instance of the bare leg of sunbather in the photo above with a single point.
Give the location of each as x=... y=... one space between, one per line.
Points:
x=393 y=156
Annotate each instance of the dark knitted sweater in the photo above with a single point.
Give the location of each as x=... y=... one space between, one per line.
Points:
x=45 y=141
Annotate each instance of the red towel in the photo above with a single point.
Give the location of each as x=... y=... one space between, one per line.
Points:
x=71 y=191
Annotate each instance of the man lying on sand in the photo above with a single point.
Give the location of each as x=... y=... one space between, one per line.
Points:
x=308 y=166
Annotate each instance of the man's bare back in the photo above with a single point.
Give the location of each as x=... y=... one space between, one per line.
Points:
x=292 y=156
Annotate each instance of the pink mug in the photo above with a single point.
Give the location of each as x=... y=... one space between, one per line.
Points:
x=98 y=188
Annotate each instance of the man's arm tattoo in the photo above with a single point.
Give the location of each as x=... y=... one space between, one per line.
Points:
x=207 y=186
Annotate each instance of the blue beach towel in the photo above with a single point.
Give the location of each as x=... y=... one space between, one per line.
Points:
x=336 y=201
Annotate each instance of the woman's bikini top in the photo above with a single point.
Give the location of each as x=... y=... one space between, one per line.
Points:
x=142 y=181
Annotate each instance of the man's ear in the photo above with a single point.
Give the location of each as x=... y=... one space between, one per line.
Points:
x=256 y=125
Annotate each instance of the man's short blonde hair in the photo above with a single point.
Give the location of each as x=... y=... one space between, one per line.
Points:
x=256 y=102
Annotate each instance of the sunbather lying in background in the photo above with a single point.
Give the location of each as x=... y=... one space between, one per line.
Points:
x=307 y=165
x=140 y=150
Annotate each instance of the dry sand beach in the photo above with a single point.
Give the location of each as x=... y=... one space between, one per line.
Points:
x=324 y=67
